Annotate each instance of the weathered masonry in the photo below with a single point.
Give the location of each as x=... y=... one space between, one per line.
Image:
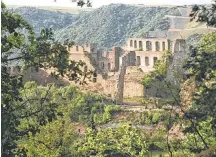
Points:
x=146 y=52
x=120 y=70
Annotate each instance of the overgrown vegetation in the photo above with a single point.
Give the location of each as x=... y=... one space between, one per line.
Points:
x=40 y=121
x=62 y=107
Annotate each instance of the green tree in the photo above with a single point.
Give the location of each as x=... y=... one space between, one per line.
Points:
x=51 y=132
x=21 y=47
x=201 y=66
x=205 y=13
x=200 y=118
x=122 y=141
x=53 y=140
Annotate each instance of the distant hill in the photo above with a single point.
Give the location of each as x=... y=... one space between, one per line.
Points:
x=111 y=25
x=107 y=26
x=41 y=18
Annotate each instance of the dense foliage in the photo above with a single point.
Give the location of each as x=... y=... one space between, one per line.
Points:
x=205 y=13
x=199 y=120
x=19 y=48
x=49 y=129
x=158 y=79
x=201 y=66
x=45 y=121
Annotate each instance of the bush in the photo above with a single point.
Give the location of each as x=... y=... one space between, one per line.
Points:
x=156 y=118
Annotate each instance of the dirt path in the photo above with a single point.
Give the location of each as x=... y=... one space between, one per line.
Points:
x=137 y=108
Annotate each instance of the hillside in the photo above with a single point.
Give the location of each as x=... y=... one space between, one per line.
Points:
x=41 y=18
x=107 y=26
x=111 y=25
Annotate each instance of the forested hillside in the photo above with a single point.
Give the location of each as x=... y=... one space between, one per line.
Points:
x=40 y=18
x=107 y=26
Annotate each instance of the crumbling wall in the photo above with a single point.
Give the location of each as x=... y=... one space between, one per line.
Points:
x=144 y=55
x=113 y=57
x=109 y=87
x=78 y=53
x=41 y=77
x=120 y=84
x=132 y=82
x=133 y=88
x=126 y=83
x=175 y=70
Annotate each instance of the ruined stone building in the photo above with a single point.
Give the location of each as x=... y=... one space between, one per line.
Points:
x=113 y=57
x=144 y=52
x=124 y=66
x=139 y=52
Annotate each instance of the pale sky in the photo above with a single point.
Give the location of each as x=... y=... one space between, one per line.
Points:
x=98 y=3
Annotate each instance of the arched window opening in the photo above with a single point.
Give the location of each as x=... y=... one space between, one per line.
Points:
x=148 y=45
x=140 y=45
x=155 y=60
x=147 y=61
x=157 y=45
x=163 y=46
x=135 y=44
x=131 y=43
x=138 y=61
x=77 y=48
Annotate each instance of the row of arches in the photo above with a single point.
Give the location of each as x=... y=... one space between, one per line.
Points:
x=147 y=62
x=149 y=45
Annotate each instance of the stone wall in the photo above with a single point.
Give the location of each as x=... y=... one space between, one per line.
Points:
x=126 y=83
x=132 y=65
x=147 y=44
x=128 y=59
x=147 y=52
x=133 y=89
x=103 y=63
x=147 y=59
x=175 y=70
x=41 y=77
x=113 y=57
x=78 y=53
x=109 y=87
x=132 y=82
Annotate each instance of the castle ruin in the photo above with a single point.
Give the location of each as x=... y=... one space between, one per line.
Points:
x=124 y=66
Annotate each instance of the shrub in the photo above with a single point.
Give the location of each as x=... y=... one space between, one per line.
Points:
x=156 y=118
